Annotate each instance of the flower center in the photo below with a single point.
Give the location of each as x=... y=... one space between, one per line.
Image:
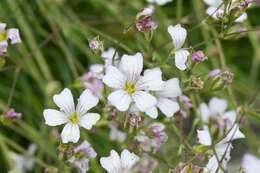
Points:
x=80 y=155
x=74 y=118
x=130 y=88
x=2 y=36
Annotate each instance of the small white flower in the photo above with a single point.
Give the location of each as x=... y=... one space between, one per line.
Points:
x=250 y=163
x=12 y=34
x=73 y=118
x=159 y=2
x=119 y=164
x=215 y=9
x=166 y=99
x=116 y=134
x=179 y=34
x=204 y=137
x=129 y=86
x=110 y=55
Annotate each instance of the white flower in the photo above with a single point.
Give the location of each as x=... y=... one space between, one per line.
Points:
x=116 y=134
x=23 y=163
x=110 y=55
x=129 y=86
x=250 y=163
x=179 y=35
x=119 y=164
x=12 y=34
x=159 y=2
x=215 y=9
x=73 y=118
x=204 y=137
x=166 y=99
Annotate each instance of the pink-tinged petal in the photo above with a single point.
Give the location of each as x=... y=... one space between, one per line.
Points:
x=114 y=78
x=70 y=133
x=88 y=120
x=144 y=100
x=86 y=101
x=65 y=101
x=2 y=26
x=53 y=117
x=14 y=36
x=120 y=99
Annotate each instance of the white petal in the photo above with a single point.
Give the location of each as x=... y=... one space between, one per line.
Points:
x=64 y=101
x=181 y=57
x=217 y=106
x=112 y=163
x=250 y=163
x=97 y=68
x=70 y=133
x=128 y=160
x=214 y=3
x=132 y=65
x=159 y=2
x=114 y=78
x=233 y=134
x=88 y=120
x=230 y=116
x=108 y=56
x=2 y=26
x=53 y=117
x=214 y=12
x=178 y=35
x=3 y=47
x=120 y=99
x=152 y=112
x=204 y=112
x=171 y=88
x=14 y=36
x=204 y=137
x=241 y=18
x=86 y=101
x=152 y=80
x=167 y=106
x=144 y=100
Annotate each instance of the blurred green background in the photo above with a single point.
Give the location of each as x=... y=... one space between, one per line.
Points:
x=55 y=53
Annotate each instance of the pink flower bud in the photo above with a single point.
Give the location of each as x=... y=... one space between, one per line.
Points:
x=12 y=115
x=198 y=56
x=146 y=25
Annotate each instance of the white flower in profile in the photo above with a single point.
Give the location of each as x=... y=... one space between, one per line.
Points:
x=129 y=86
x=119 y=164
x=216 y=8
x=12 y=34
x=179 y=34
x=109 y=56
x=250 y=163
x=166 y=99
x=159 y=2
x=73 y=118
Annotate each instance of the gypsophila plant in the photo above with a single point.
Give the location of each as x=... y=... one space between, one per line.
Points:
x=163 y=86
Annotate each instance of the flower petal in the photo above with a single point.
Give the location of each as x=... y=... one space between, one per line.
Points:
x=144 y=100
x=65 y=101
x=214 y=3
x=178 y=35
x=53 y=117
x=14 y=36
x=3 y=47
x=112 y=163
x=171 y=88
x=233 y=134
x=241 y=18
x=86 y=101
x=70 y=133
x=132 y=66
x=2 y=26
x=214 y=12
x=114 y=78
x=120 y=99
x=181 y=57
x=152 y=80
x=88 y=120
x=250 y=163
x=152 y=112
x=204 y=137
x=128 y=160
x=168 y=107
x=230 y=116
x=204 y=112
x=217 y=106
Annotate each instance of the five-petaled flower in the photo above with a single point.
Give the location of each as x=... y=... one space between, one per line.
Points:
x=71 y=116
x=119 y=164
x=129 y=86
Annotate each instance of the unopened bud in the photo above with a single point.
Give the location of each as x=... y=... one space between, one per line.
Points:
x=227 y=77
x=198 y=56
x=96 y=45
x=197 y=83
x=135 y=121
x=146 y=25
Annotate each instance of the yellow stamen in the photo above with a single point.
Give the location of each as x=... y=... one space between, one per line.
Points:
x=130 y=88
x=74 y=118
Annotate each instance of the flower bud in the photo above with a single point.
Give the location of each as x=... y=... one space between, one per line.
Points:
x=197 y=83
x=51 y=170
x=96 y=45
x=135 y=121
x=198 y=56
x=245 y=3
x=214 y=73
x=227 y=77
x=146 y=25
